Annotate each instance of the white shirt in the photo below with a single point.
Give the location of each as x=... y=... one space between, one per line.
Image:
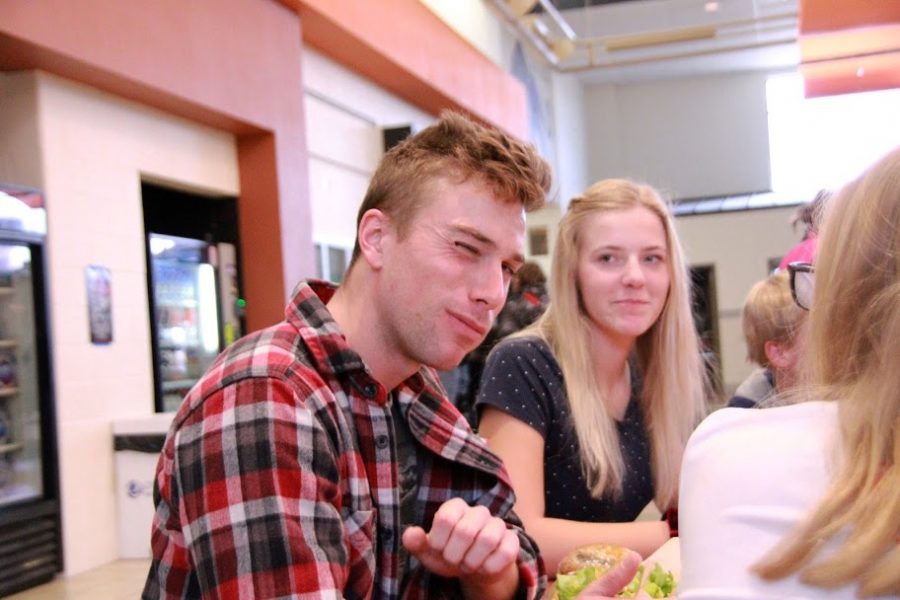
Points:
x=749 y=476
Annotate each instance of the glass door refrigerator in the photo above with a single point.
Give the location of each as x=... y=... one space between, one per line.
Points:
x=30 y=535
x=195 y=310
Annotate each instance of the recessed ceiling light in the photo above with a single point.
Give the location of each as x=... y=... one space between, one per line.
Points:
x=711 y=6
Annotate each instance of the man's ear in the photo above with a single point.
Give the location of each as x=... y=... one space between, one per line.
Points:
x=777 y=355
x=374 y=226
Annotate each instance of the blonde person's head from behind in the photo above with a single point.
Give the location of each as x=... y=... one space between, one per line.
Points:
x=668 y=354
x=774 y=328
x=854 y=345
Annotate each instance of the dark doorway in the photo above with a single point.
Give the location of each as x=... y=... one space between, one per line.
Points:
x=193 y=285
x=706 y=318
x=190 y=215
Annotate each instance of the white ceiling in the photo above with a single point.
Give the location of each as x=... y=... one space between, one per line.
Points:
x=741 y=35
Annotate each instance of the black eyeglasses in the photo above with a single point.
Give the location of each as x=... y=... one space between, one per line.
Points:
x=802 y=283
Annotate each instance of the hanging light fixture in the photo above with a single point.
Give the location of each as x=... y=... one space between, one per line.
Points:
x=520 y=8
x=563 y=48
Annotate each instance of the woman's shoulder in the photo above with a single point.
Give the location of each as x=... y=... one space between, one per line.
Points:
x=522 y=379
x=529 y=346
x=781 y=417
x=755 y=430
x=526 y=356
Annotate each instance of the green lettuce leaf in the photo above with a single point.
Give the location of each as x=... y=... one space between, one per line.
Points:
x=570 y=585
x=660 y=583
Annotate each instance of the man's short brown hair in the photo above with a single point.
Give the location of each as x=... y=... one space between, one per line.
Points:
x=458 y=149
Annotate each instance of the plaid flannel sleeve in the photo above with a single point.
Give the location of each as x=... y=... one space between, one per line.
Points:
x=254 y=483
x=532 y=576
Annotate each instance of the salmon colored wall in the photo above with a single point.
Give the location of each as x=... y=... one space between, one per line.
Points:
x=236 y=65
x=405 y=48
x=856 y=73
x=232 y=64
x=849 y=47
x=819 y=16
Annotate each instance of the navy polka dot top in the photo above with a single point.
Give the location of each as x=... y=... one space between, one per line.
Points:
x=523 y=379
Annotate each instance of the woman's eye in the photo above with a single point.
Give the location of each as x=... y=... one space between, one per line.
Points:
x=607 y=258
x=654 y=258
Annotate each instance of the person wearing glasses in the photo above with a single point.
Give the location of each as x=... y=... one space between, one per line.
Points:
x=591 y=406
x=803 y=501
x=775 y=333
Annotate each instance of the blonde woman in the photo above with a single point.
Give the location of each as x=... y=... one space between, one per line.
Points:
x=590 y=407
x=803 y=501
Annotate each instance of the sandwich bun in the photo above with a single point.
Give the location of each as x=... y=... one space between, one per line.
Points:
x=602 y=557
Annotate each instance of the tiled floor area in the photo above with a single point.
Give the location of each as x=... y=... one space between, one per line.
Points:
x=119 y=580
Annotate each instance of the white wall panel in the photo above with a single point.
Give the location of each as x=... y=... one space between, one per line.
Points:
x=357 y=95
x=336 y=195
x=571 y=176
x=92 y=150
x=341 y=138
x=345 y=115
x=704 y=136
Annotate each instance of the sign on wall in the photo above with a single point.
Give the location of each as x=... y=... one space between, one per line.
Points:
x=99 y=297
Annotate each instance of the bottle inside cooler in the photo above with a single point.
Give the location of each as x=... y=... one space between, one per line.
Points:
x=20 y=443
x=187 y=319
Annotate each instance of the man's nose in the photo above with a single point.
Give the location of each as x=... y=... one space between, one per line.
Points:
x=492 y=287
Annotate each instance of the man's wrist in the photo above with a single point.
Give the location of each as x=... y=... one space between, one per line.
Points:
x=503 y=586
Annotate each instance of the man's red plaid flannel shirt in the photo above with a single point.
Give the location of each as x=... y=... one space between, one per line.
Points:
x=278 y=478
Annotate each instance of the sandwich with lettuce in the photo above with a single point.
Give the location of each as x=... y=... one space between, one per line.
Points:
x=584 y=565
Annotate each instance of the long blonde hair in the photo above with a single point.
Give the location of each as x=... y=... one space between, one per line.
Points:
x=853 y=350
x=668 y=354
